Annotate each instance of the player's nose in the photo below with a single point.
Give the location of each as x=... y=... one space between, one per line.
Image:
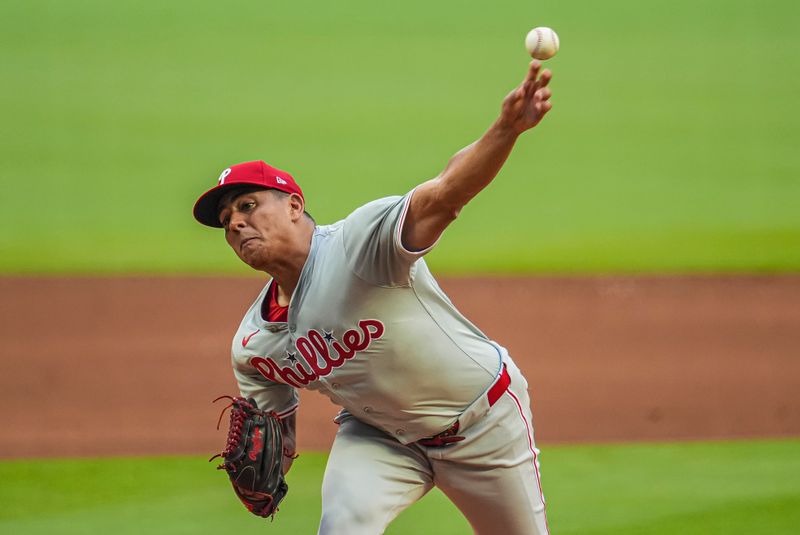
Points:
x=237 y=221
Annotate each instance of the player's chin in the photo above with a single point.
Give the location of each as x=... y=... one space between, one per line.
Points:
x=253 y=258
x=248 y=252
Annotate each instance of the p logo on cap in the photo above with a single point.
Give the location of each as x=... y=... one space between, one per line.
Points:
x=224 y=174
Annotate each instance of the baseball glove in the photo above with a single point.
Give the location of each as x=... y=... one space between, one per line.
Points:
x=253 y=456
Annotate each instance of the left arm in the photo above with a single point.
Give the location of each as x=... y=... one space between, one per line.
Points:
x=437 y=202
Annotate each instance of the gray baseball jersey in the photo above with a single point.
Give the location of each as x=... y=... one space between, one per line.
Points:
x=369 y=327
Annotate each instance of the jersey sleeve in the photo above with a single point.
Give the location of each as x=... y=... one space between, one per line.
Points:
x=269 y=396
x=373 y=245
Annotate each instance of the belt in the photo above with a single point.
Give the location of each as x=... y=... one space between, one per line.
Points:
x=449 y=435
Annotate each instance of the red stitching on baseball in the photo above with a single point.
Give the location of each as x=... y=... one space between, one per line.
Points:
x=538 y=41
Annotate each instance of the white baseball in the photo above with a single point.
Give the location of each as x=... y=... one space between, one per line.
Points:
x=542 y=42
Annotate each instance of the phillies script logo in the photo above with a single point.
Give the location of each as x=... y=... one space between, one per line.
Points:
x=315 y=348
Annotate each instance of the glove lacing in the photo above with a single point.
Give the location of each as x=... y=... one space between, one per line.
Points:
x=238 y=415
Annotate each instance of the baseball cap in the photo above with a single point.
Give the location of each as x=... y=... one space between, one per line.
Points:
x=255 y=173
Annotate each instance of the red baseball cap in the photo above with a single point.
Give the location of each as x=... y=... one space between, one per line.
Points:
x=255 y=173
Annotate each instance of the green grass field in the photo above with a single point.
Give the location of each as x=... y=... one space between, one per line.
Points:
x=672 y=145
x=690 y=488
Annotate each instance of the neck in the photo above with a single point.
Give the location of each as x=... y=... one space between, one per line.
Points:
x=281 y=297
x=286 y=272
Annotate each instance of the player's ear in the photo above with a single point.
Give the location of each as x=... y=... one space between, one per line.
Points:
x=296 y=206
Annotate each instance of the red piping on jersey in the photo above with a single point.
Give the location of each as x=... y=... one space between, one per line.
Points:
x=535 y=461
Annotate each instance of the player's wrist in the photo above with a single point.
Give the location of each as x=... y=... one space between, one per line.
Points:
x=504 y=129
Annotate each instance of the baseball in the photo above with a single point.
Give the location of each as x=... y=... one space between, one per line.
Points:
x=542 y=42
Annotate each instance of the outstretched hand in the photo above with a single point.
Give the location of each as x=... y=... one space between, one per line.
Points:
x=526 y=105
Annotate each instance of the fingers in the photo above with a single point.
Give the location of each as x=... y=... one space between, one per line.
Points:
x=537 y=92
x=529 y=83
x=533 y=71
x=543 y=94
x=545 y=78
x=543 y=107
x=533 y=80
x=530 y=101
x=542 y=102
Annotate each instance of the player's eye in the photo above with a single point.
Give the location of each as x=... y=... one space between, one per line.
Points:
x=247 y=205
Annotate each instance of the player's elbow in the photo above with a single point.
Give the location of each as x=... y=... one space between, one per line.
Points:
x=448 y=214
x=448 y=201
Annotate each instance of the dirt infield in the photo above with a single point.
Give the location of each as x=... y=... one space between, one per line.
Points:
x=130 y=365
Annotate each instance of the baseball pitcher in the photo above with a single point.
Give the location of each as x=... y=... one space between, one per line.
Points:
x=352 y=310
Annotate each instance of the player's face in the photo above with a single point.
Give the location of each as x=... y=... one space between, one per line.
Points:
x=258 y=226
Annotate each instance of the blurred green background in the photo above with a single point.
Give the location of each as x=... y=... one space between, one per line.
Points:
x=672 y=146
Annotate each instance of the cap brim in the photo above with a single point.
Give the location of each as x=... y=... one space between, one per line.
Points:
x=205 y=209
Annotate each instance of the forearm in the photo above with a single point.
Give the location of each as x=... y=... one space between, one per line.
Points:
x=289 y=428
x=437 y=202
x=472 y=168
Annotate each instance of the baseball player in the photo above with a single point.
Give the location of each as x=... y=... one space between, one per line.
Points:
x=351 y=310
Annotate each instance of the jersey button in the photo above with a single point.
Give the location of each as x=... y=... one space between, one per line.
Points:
x=368 y=409
x=400 y=432
x=335 y=386
x=292 y=328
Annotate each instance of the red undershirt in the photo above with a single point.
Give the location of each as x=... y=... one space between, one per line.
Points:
x=271 y=310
